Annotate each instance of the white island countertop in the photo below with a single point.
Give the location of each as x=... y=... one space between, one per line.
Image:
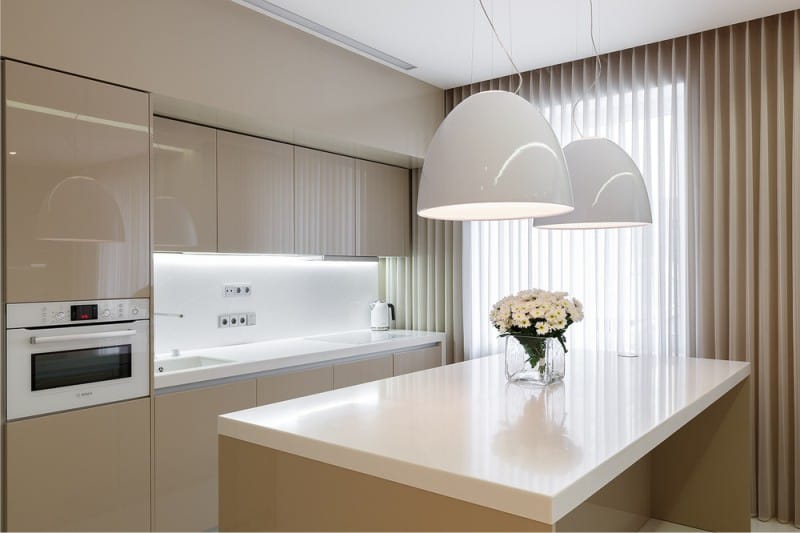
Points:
x=273 y=355
x=463 y=432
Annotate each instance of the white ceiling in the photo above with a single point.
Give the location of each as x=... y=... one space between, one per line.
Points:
x=438 y=37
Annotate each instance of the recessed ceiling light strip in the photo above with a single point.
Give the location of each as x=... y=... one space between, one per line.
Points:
x=314 y=27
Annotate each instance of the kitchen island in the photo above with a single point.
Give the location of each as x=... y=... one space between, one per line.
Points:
x=458 y=448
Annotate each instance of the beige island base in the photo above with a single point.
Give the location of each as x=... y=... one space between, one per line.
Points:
x=457 y=449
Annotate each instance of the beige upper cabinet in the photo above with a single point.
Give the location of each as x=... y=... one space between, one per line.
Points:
x=185 y=204
x=383 y=224
x=255 y=195
x=324 y=201
x=77 y=187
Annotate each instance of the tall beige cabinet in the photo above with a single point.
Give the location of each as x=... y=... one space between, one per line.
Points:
x=256 y=207
x=185 y=181
x=324 y=203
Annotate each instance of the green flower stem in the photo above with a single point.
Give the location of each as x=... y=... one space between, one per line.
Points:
x=535 y=348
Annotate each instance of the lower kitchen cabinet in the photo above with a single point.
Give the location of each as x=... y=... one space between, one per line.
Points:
x=280 y=387
x=186 y=438
x=347 y=374
x=415 y=360
x=84 y=470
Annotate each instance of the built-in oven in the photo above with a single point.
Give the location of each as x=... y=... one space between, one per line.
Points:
x=68 y=355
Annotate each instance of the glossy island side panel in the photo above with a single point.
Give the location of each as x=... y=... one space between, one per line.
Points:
x=77 y=187
x=533 y=452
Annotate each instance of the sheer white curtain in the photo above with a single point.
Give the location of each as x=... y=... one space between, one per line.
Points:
x=633 y=282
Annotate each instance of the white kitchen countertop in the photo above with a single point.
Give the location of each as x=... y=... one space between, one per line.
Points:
x=462 y=431
x=258 y=357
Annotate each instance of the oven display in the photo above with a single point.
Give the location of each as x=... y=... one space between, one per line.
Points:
x=83 y=312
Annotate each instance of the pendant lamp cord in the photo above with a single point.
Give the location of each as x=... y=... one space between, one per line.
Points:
x=598 y=66
x=500 y=42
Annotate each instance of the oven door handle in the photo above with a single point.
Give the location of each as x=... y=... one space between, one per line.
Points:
x=83 y=336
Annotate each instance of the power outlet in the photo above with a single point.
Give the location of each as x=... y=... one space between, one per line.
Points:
x=232 y=290
x=234 y=320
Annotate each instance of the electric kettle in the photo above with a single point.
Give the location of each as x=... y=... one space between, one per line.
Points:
x=381 y=315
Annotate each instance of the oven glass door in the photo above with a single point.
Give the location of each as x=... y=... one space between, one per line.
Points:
x=64 y=368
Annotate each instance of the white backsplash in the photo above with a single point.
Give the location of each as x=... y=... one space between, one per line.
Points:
x=292 y=297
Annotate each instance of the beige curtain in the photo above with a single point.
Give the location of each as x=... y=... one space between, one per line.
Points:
x=745 y=232
x=426 y=287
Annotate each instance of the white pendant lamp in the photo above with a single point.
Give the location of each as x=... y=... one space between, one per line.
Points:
x=609 y=189
x=494 y=157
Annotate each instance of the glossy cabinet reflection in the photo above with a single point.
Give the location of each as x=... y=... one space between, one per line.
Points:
x=383 y=224
x=347 y=374
x=416 y=360
x=324 y=203
x=256 y=212
x=77 y=187
x=84 y=470
x=186 y=453
x=185 y=181
x=288 y=385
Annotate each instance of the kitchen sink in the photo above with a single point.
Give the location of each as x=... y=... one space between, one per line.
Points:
x=187 y=363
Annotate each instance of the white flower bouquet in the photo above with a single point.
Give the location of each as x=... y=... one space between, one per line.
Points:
x=536 y=314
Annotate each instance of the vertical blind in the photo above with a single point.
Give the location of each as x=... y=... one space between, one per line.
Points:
x=632 y=281
x=744 y=238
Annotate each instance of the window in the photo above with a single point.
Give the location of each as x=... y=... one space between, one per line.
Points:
x=632 y=281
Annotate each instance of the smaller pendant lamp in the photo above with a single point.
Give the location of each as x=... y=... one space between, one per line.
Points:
x=609 y=188
x=494 y=157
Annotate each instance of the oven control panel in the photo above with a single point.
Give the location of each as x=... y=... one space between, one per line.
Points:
x=73 y=313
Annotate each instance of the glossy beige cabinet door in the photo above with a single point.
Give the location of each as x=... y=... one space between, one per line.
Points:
x=255 y=194
x=415 y=360
x=85 y=470
x=324 y=203
x=186 y=453
x=185 y=199
x=280 y=387
x=347 y=374
x=77 y=187
x=383 y=223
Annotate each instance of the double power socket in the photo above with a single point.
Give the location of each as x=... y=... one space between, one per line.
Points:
x=235 y=320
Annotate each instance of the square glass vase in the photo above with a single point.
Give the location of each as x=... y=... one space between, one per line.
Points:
x=536 y=360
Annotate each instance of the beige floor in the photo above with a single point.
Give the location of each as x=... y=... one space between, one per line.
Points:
x=756 y=525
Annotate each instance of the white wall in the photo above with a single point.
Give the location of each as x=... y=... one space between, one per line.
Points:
x=291 y=297
x=219 y=63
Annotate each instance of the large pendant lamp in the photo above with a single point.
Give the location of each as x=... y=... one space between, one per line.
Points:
x=494 y=157
x=609 y=189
